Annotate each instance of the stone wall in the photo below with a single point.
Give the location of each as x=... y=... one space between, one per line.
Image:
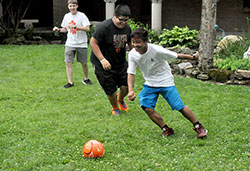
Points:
x=189 y=68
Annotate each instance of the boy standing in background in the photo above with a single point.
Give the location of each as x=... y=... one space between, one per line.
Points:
x=76 y=24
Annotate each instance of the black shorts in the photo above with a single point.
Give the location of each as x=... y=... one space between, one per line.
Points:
x=110 y=80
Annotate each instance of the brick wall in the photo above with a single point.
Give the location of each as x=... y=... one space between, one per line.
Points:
x=182 y=13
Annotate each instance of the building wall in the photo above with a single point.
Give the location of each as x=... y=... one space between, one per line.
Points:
x=60 y=8
x=230 y=15
x=181 y=13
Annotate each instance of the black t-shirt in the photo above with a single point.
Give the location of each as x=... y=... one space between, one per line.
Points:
x=112 y=43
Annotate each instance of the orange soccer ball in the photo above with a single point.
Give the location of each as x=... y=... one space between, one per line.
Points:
x=93 y=149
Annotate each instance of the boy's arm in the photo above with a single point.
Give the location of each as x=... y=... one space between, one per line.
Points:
x=63 y=29
x=83 y=28
x=131 y=93
x=186 y=56
x=96 y=50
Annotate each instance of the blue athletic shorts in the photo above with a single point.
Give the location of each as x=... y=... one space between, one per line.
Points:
x=149 y=95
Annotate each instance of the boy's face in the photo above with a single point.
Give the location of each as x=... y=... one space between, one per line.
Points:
x=139 y=45
x=73 y=8
x=120 y=21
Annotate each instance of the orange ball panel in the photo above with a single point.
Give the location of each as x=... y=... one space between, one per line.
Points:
x=93 y=149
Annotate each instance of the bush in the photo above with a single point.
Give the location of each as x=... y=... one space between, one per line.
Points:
x=231 y=58
x=153 y=36
x=179 y=36
x=134 y=25
x=168 y=38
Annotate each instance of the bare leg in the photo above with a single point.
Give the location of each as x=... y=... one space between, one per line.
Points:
x=69 y=71
x=85 y=70
x=113 y=100
x=155 y=117
x=187 y=113
x=123 y=92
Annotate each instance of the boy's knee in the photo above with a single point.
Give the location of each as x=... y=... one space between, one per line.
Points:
x=149 y=111
x=143 y=108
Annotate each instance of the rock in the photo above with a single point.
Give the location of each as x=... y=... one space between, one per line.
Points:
x=189 y=72
x=242 y=82
x=187 y=50
x=185 y=65
x=219 y=74
x=176 y=49
x=20 y=39
x=226 y=41
x=243 y=73
x=10 y=40
x=203 y=76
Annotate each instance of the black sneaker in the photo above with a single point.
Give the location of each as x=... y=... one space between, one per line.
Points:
x=167 y=131
x=202 y=132
x=88 y=82
x=68 y=85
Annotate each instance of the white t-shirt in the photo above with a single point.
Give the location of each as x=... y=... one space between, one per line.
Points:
x=153 y=64
x=75 y=37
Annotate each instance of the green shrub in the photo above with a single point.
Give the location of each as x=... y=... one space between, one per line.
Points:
x=231 y=58
x=232 y=63
x=179 y=36
x=153 y=36
x=134 y=25
x=90 y=33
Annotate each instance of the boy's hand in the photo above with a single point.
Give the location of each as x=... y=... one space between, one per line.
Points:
x=196 y=55
x=131 y=96
x=105 y=64
x=56 y=29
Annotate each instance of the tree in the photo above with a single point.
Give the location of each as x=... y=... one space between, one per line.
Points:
x=207 y=34
x=13 y=12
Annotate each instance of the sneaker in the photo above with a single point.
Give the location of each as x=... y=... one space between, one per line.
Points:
x=202 y=132
x=116 y=112
x=68 y=85
x=88 y=82
x=122 y=104
x=167 y=131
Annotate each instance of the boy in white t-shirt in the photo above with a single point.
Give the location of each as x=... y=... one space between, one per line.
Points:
x=76 y=24
x=152 y=61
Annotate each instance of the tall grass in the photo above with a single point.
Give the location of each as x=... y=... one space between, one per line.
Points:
x=44 y=127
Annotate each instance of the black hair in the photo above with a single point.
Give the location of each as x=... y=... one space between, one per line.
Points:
x=140 y=33
x=122 y=10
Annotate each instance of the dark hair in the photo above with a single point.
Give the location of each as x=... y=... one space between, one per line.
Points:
x=140 y=33
x=122 y=10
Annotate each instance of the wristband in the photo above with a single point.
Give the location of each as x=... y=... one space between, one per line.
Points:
x=193 y=55
x=102 y=60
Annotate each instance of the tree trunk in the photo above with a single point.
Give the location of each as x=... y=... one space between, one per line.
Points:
x=207 y=34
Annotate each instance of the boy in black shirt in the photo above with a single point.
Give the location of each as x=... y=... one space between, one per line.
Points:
x=108 y=56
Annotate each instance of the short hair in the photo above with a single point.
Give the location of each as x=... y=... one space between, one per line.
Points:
x=73 y=2
x=122 y=10
x=140 y=33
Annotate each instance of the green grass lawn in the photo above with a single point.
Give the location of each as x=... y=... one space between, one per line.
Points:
x=44 y=127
